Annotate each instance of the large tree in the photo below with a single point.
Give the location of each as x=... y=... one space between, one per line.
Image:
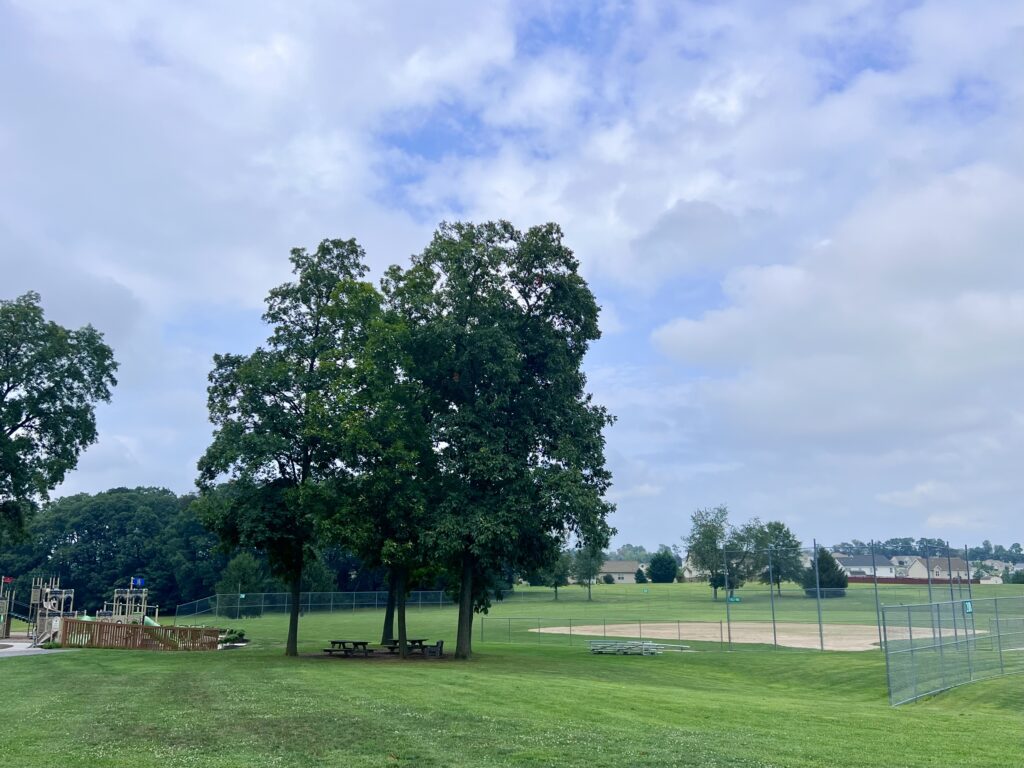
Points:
x=50 y=381
x=387 y=444
x=708 y=531
x=267 y=409
x=500 y=321
x=779 y=556
x=97 y=542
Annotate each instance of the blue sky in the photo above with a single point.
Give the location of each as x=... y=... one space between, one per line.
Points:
x=803 y=222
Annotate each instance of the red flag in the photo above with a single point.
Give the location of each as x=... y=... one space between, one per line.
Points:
x=8 y=579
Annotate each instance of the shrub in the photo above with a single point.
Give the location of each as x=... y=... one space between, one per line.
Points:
x=641 y=577
x=608 y=579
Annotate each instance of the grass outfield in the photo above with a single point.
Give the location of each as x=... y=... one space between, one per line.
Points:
x=514 y=705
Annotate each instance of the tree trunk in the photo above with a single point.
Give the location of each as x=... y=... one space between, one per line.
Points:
x=556 y=592
x=403 y=635
x=464 y=638
x=388 y=633
x=292 y=648
x=714 y=594
x=590 y=583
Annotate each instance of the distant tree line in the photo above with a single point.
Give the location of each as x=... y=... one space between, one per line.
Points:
x=97 y=542
x=926 y=547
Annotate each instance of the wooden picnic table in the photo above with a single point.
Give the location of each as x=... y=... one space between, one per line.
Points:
x=416 y=645
x=349 y=647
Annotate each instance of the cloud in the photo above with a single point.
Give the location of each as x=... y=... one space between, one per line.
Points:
x=927 y=493
x=803 y=223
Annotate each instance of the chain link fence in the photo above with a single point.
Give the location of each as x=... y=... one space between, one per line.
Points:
x=255 y=604
x=932 y=647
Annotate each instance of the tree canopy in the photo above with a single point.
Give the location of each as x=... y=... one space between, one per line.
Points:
x=268 y=409
x=50 y=381
x=498 y=323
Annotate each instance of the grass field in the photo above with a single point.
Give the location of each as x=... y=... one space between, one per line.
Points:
x=513 y=705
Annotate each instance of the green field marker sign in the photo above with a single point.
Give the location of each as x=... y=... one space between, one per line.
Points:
x=734 y=599
x=968 y=606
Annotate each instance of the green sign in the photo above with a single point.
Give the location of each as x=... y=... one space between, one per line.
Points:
x=241 y=596
x=734 y=599
x=968 y=606
x=645 y=590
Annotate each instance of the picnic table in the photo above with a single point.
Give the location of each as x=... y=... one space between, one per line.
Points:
x=416 y=645
x=349 y=647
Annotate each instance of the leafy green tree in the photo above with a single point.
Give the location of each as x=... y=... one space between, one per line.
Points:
x=387 y=445
x=556 y=574
x=830 y=577
x=663 y=567
x=97 y=542
x=500 y=321
x=267 y=409
x=586 y=565
x=786 y=562
x=243 y=573
x=50 y=381
x=708 y=532
x=630 y=552
x=640 y=576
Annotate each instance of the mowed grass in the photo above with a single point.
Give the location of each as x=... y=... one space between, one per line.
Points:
x=513 y=705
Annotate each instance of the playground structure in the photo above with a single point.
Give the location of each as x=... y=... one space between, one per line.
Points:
x=130 y=606
x=6 y=604
x=48 y=606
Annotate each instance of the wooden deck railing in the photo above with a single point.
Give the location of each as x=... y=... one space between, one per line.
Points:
x=75 y=633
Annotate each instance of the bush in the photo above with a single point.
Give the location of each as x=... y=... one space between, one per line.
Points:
x=641 y=577
x=608 y=579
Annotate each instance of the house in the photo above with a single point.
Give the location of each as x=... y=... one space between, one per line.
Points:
x=623 y=571
x=915 y=567
x=992 y=580
x=868 y=565
x=954 y=568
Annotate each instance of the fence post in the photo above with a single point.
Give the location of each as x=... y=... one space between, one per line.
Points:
x=999 y=636
x=640 y=624
x=679 y=630
x=728 y=614
x=878 y=611
x=538 y=630
x=913 y=662
x=263 y=597
x=817 y=595
x=885 y=650
x=570 y=631
x=771 y=598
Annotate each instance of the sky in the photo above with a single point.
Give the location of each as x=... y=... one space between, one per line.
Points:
x=804 y=223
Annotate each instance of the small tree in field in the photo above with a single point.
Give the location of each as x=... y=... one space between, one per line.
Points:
x=830 y=577
x=586 y=565
x=641 y=577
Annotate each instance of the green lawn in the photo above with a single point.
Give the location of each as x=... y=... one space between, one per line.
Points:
x=514 y=705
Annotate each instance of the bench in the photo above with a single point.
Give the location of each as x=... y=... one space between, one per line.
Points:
x=633 y=647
